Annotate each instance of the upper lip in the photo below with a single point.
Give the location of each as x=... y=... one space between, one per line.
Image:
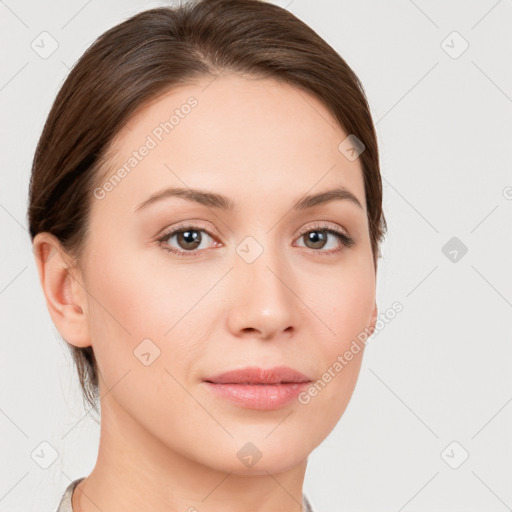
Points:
x=255 y=375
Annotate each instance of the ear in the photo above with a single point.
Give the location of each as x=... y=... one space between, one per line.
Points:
x=63 y=288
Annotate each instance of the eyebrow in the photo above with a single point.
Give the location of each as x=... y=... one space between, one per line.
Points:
x=219 y=201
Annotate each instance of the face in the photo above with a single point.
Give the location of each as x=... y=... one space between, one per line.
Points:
x=251 y=280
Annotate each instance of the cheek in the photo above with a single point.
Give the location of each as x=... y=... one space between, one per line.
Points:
x=137 y=296
x=137 y=307
x=346 y=303
x=351 y=310
x=122 y=312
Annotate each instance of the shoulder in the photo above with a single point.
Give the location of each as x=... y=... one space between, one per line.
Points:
x=65 y=501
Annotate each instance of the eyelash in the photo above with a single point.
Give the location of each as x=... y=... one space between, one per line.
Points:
x=344 y=239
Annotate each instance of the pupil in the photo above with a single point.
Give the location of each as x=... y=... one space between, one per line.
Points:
x=318 y=241
x=191 y=239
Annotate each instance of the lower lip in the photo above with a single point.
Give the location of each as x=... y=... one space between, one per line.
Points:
x=259 y=396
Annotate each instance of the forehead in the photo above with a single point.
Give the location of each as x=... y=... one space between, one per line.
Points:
x=242 y=137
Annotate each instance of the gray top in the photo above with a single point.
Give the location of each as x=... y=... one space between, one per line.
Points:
x=65 y=502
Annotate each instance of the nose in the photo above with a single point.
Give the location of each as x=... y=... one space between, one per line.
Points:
x=265 y=302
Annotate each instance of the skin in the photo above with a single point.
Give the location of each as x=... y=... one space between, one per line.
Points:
x=166 y=442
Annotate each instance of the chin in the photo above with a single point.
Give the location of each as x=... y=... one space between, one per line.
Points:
x=260 y=457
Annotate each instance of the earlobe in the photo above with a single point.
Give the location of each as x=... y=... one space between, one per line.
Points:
x=64 y=295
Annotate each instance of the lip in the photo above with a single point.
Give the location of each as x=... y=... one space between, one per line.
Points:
x=258 y=388
x=255 y=375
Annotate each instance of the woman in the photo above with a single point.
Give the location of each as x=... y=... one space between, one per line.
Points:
x=206 y=214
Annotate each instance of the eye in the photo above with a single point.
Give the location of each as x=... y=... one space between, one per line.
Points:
x=188 y=237
x=316 y=237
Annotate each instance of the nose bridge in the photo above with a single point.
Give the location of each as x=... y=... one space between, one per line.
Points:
x=261 y=260
x=264 y=299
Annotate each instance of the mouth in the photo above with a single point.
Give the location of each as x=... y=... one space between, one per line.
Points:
x=257 y=388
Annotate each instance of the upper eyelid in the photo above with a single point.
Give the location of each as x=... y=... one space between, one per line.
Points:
x=323 y=224
x=190 y=225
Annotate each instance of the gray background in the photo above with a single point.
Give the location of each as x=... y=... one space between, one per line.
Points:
x=437 y=376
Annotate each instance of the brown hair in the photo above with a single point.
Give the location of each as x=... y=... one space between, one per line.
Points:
x=146 y=56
